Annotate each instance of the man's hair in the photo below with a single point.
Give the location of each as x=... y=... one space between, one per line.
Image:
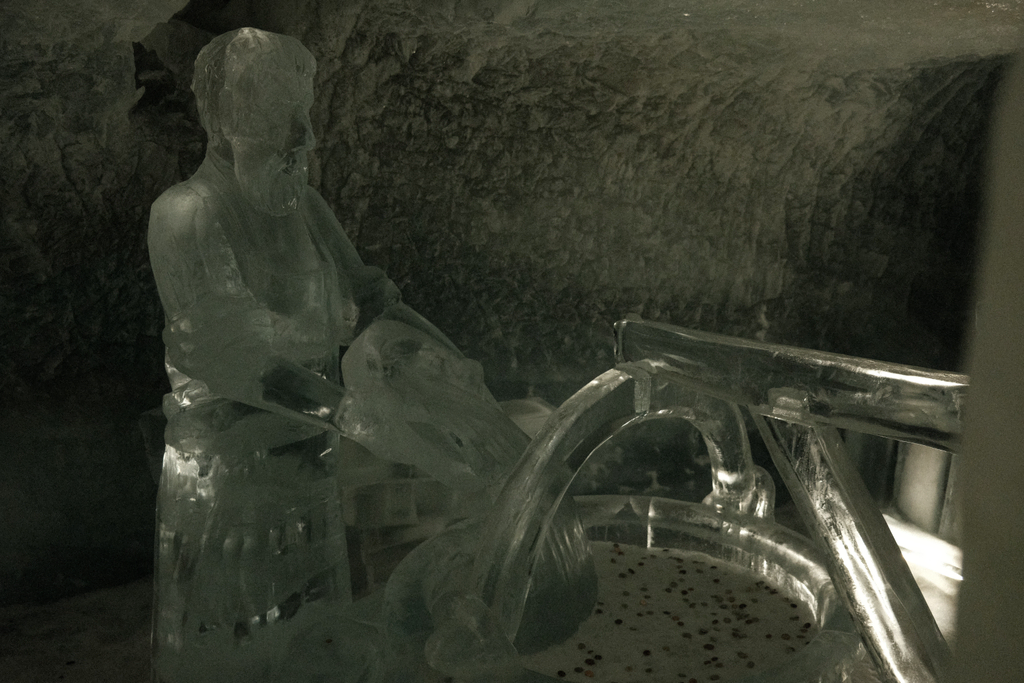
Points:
x=237 y=70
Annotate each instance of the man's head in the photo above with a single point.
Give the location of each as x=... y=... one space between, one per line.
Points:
x=254 y=90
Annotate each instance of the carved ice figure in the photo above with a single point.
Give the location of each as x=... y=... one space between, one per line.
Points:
x=260 y=287
x=413 y=398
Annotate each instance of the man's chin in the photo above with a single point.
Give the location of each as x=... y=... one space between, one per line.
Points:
x=276 y=203
x=281 y=210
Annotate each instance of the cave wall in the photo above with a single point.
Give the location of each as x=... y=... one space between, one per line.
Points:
x=526 y=172
x=80 y=354
x=528 y=186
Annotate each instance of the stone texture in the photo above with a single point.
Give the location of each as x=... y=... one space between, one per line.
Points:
x=527 y=185
x=73 y=261
x=79 y=352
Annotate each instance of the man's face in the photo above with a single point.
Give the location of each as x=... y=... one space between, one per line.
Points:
x=272 y=157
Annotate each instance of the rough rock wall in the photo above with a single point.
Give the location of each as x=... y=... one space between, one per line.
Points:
x=529 y=183
x=73 y=178
x=528 y=173
x=79 y=351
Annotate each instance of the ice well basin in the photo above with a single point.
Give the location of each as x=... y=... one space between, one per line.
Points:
x=785 y=561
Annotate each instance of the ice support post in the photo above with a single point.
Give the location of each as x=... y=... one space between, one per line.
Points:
x=866 y=565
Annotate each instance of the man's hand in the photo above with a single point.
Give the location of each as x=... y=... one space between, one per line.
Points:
x=374 y=293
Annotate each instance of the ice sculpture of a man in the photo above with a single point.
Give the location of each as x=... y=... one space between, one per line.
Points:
x=260 y=287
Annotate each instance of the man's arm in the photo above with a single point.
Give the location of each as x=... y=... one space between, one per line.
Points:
x=216 y=330
x=376 y=295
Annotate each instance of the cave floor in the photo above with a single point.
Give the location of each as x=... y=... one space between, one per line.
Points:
x=103 y=636
x=96 y=637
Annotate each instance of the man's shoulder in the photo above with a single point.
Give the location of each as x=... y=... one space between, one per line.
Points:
x=185 y=207
x=178 y=204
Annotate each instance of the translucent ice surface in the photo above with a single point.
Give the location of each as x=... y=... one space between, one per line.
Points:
x=798 y=398
x=413 y=399
x=260 y=287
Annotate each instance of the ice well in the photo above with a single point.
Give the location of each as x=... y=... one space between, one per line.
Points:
x=797 y=398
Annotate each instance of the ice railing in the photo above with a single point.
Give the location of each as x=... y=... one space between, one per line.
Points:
x=798 y=400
